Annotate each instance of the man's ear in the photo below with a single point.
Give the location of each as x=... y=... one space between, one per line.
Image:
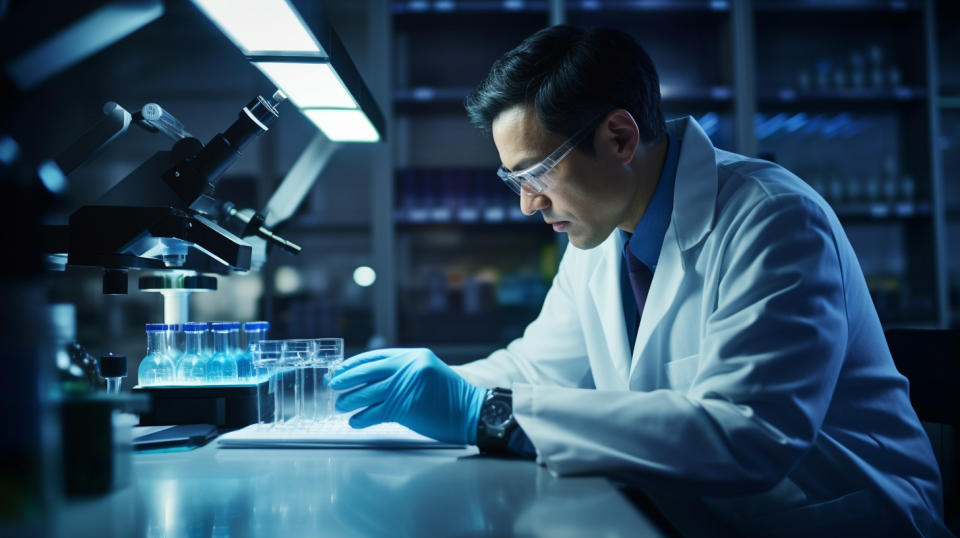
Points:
x=618 y=135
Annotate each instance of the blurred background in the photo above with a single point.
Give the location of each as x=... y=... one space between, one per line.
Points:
x=860 y=98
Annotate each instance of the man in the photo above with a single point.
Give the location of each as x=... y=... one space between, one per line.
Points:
x=709 y=335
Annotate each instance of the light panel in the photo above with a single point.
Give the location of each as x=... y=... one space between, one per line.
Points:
x=261 y=26
x=308 y=84
x=343 y=125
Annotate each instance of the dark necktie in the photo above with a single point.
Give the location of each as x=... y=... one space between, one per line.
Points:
x=640 y=278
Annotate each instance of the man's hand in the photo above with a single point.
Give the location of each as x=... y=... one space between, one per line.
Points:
x=412 y=387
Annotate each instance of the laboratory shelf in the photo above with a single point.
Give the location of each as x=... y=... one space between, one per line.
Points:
x=648 y=5
x=715 y=94
x=868 y=211
x=442 y=99
x=845 y=95
x=429 y=94
x=312 y=224
x=416 y=7
x=874 y=102
x=487 y=217
x=894 y=6
x=409 y=7
x=951 y=101
x=459 y=332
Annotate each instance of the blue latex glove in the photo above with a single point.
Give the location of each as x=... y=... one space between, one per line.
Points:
x=412 y=387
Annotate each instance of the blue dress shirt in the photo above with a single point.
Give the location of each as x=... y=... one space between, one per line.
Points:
x=647 y=238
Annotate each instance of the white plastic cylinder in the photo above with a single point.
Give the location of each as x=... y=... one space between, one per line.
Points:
x=176 y=306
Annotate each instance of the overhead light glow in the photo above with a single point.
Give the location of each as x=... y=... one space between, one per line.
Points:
x=261 y=26
x=308 y=84
x=343 y=125
x=364 y=276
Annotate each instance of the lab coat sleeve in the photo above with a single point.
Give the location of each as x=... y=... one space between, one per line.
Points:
x=551 y=351
x=771 y=351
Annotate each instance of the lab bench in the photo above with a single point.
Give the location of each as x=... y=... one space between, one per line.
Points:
x=213 y=491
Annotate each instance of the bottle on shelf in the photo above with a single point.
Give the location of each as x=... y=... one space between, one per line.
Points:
x=192 y=369
x=222 y=366
x=870 y=70
x=156 y=368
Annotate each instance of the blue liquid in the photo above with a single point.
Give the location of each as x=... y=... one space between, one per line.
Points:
x=222 y=366
x=157 y=367
x=192 y=368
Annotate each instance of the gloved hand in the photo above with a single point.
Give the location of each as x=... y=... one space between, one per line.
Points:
x=412 y=387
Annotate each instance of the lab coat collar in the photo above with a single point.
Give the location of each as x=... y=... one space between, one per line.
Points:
x=646 y=240
x=694 y=200
x=692 y=219
x=695 y=194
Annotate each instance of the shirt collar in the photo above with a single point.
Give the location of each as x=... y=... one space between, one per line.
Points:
x=647 y=238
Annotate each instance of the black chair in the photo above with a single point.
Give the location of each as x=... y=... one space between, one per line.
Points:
x=930 y=360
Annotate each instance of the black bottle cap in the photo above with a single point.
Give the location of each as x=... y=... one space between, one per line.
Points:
x=113 y=365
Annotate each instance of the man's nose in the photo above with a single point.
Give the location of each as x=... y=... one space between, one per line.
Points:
x=531 y=202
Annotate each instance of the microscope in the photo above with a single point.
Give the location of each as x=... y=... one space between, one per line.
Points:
x=164 y=219
x=164 y=215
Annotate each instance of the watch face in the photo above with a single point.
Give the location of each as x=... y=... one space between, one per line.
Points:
x=496 y=414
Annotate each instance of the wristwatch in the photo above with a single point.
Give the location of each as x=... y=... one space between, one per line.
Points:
x=496 y=422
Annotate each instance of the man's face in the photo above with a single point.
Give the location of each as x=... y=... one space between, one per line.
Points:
x=590 y=195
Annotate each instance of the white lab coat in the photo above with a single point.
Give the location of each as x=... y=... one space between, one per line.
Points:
x=760 y=383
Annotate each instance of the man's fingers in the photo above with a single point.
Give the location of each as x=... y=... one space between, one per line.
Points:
x=369 y=372
x=368 y=417
x=369 y=356
x=363 y=397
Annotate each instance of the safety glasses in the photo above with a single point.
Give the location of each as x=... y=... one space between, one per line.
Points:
x=537 y=179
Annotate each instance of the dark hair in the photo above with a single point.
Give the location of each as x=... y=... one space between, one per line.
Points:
x=571 y=76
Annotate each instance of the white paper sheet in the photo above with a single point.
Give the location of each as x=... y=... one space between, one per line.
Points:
x=330 y=435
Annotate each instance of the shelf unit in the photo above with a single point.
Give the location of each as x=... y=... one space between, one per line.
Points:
x=946 y=154
x=858 y=89
x=743 y=79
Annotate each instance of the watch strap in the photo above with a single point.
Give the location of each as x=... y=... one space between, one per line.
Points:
x=496 y=440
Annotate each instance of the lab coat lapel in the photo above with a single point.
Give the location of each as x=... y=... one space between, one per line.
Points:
x=607 y=301
x=663 y=293
x=694 y=199
x=695 y=190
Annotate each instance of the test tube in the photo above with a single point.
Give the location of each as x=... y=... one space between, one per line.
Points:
x=266 y=359
x=299 y=355
x=329 y=356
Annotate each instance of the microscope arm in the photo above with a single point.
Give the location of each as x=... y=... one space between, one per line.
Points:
x=115 y=122
x=299 y=180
